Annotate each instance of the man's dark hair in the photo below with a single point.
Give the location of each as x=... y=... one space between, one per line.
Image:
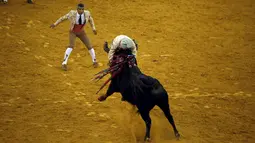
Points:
x=81 y=5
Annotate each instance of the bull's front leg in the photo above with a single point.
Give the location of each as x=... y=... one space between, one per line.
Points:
x=111 y=89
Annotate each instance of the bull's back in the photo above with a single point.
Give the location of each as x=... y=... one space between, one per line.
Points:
x=138 y=87
x=153 y=87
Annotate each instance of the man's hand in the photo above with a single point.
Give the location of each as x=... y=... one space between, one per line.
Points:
x=106 y=49
x=102 y=98
x=95 y=32
x=52 y=25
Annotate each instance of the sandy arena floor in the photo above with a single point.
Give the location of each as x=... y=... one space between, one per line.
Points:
x=201 y=51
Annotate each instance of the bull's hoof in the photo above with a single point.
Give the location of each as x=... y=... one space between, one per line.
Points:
x=102 y=98
x=147 y=139
x=177 y=135
x=30 y=1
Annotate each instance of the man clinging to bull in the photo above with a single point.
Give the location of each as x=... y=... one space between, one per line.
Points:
x=139 y=89
x=121 y=41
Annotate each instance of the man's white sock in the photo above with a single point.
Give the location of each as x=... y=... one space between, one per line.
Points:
x=67 y=54
x=92 y=54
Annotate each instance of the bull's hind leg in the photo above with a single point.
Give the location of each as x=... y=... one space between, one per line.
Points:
x=164 y=106
x=147 y=120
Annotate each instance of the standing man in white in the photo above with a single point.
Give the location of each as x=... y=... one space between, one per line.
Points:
x=78 y=19
x=4 y=1
x=28 y=1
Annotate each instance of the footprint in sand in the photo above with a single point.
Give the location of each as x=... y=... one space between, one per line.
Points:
x=6 y=27
x=114 y=126
x=8 y=120
x=91 y=114
x=196 y=89
x=166 y=55
x=61 y=101
x=146 y=55
x=21 y=42
x=13 y=100
x=88 y=104
x=8 y=34
x=9 y=21
x=39 y=57
x=93 y=134
x=71 y=60
x=50 y=65
x=5 y=104
x=178 y=94
x=63 y=130
x=12 y=16
x=227 y=94
x=104 y=115
x=112 y=97
x=97 y=102
x=42 y=36
x=206 y=106
x=46 y=45
x=100 y=64
x=30 y=24
x=80 y=67
x=80 y=98
x=193 y=94
x=79 y=93
x=27 y=49
x=39 y=125
x=68 y=83
x=240 y=93
x=64 y=74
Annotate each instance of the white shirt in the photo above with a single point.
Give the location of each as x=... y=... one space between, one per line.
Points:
x=116 y=43
x=82 y=18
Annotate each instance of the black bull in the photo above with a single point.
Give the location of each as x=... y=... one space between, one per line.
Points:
x=141 y=90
